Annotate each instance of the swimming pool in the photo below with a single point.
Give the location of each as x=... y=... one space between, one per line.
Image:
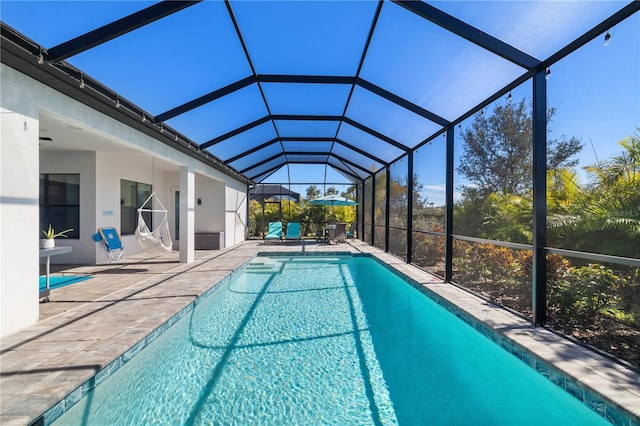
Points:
x=324 y=340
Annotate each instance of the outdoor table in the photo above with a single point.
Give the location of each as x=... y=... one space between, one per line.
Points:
x=48 y=253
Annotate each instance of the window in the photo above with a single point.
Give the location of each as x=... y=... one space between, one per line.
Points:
x=132 y=195
x=60 y=203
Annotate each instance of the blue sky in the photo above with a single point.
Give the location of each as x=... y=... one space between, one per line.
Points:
x=596 y=90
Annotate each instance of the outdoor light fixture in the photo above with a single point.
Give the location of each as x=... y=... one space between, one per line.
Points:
x=161 y=128
x=81 y=82
x=117 y=102
x=547 y=73
x=144 y=118
x=199 y=201
x=40 y=58
x=176 y=138
x=607 y=38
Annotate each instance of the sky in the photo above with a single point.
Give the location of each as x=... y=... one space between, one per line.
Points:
x=595 y=90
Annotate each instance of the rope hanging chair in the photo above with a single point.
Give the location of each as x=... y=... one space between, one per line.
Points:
x=159 y=240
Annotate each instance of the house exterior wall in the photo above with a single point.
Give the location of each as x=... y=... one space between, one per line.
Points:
x=19 y=195
x=23 y=100
x=84 y=164
x=209 y=215
x=111 y=169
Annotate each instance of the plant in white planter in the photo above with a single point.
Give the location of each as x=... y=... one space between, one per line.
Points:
x=50 y=235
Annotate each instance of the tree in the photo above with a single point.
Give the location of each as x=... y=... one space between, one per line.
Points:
x=615 y=198
x=497 y=154
x=350 y=192
x=603 y=215
x=312 y=192
x=331 y=191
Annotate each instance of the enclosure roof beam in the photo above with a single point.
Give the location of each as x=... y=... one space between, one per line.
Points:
x=470 y=33
x=116 y=28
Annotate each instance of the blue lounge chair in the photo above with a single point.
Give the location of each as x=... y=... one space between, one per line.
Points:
x=293 y=231
x=112 y=243
x=275 y=231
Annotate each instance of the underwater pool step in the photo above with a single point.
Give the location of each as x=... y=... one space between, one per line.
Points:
x=260 y=268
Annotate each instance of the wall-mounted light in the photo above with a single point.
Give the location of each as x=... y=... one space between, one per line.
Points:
x=81 y=82
x=607 y=38
x=40 y=58
x=117 y=102
x=199 y=201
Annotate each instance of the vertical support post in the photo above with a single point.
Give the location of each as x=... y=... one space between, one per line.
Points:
x=373 y=209
x=448 y=245
x=539 y=275
x=361 y=219
x=410 y=185
x=359 y=190
x=387 y=203
x=187 y=215
x=247 y=231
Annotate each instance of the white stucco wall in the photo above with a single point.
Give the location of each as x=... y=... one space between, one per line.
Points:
x=209 y=215
x=19 y=202
x=19 y=196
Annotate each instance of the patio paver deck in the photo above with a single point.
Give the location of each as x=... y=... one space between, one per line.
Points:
x=89 y=324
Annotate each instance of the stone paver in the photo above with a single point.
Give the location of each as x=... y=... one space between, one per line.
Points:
x=89 y=324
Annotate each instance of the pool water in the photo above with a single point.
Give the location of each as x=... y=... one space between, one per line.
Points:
x=58 y=281
x=324 y=340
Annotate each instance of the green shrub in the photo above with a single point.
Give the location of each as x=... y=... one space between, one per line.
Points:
x=586 y=290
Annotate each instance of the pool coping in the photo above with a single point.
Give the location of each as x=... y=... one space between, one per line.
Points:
x=515 y=339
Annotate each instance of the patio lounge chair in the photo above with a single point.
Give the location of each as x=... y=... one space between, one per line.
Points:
x=111 y=242
x=350 y=233
x=275 y=231
x=322 y=235
x=293 y=231
x=340 y=233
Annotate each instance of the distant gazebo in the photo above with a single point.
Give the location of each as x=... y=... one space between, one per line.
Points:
x=274 y=192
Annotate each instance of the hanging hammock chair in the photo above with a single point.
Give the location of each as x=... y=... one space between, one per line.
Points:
x=156 y=241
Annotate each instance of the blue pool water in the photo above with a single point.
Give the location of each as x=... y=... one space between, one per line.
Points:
x=58 y=281
x=318 y=341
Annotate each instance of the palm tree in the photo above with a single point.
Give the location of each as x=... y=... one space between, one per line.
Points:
x=616 y=192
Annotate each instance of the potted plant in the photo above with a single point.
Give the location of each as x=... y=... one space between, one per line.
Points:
x=50 y=234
